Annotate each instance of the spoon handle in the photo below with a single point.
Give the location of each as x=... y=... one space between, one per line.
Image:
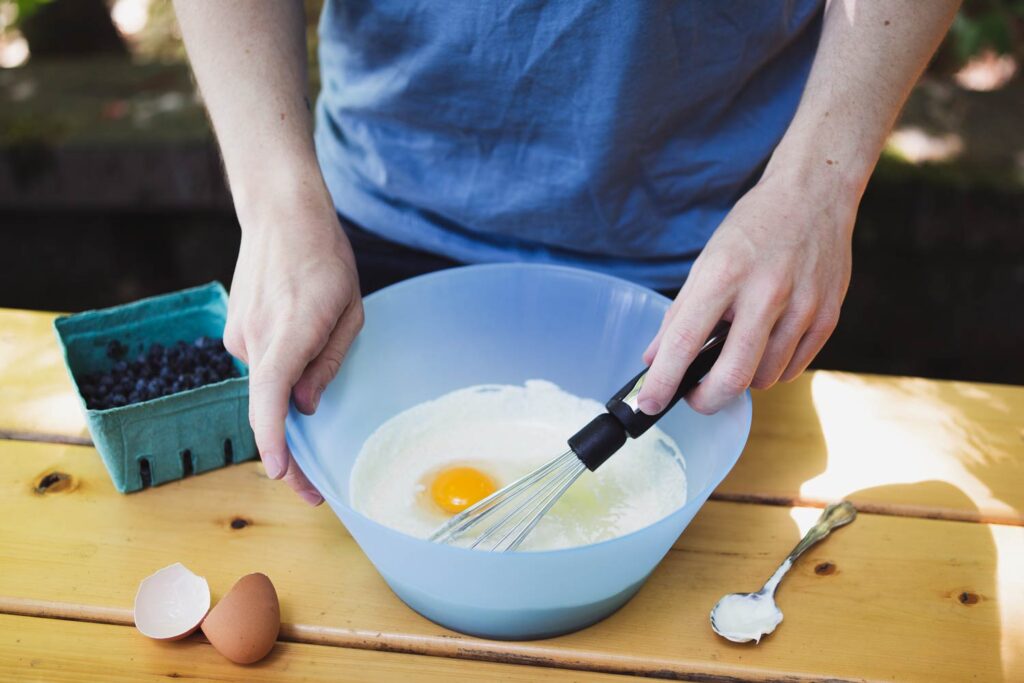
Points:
x=834 y=516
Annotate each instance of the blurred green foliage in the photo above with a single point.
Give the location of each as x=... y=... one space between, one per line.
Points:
x=26 y=8
x=987 y=25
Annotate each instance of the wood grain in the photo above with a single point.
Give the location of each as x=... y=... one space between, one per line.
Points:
x=892 y=445
x=47 y=650
x=36 y=396
x=885 y=598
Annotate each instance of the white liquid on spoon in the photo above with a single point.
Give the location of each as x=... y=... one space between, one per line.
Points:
x=745 y=617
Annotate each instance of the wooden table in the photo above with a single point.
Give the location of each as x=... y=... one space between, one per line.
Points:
x=927 y=584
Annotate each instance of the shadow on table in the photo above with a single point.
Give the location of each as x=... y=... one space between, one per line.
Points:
x=922 y=449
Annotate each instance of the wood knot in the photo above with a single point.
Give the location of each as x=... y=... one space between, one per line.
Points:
x=55 y=482
x=239 y=523
x=824 y=569
x=966 y=598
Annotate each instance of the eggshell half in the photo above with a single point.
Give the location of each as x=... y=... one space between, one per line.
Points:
x=171 y=603
x=244 y=625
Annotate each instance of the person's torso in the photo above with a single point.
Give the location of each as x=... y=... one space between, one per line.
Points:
x=610 y=134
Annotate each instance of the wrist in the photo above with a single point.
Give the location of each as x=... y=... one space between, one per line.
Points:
x=826 y=156
x=276 y=195
x=834 y=173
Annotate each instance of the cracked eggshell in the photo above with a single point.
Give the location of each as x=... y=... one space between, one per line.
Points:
x=244 y=624
x=171 y=603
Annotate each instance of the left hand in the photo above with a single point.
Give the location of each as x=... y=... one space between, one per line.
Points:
x=777 y=268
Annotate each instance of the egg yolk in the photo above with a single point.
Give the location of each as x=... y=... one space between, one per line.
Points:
x=456 y=488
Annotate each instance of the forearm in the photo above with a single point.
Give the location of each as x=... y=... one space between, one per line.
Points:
x=869 y=57
x=249 y=57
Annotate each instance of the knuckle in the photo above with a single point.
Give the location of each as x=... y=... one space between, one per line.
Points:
x=700 y=405
x=682 y=339
x=728 y=270
x=660 y=385
x=262 y=378
x=735 y=379
x=332 y=363
x=778 y=293
x=826 y=322
x=804 y=313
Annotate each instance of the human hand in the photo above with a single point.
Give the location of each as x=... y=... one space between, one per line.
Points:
x=294 y=310
x=777 y=268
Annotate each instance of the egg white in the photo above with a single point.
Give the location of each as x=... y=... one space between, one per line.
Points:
x=506 y=432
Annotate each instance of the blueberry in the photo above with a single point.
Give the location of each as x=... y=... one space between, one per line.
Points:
x=135 y=397
x=203 y=343
x=118 y=400
x=116 y=350
x=120 y=367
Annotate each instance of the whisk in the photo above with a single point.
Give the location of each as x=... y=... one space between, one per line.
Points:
x=502 y=521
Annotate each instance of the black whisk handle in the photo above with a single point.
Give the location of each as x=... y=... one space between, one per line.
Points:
x=623 y=404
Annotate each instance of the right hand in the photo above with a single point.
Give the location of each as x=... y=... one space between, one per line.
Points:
x=294 y=310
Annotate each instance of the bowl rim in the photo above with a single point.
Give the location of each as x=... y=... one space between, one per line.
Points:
x=297 y=446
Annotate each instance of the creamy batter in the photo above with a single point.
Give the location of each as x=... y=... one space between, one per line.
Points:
x=485 y=437
x=745 y=617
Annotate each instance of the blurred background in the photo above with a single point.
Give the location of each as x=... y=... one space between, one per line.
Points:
x=111 y=187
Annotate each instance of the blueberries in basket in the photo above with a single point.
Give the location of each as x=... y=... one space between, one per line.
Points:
x=116 y=350
x=159 y=371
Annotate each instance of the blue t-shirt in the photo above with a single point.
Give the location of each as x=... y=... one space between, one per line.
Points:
x=605 y=134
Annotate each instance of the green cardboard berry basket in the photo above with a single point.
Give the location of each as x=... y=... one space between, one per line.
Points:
x=170 y=437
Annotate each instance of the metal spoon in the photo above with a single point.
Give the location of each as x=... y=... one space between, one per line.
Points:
x=743 y=617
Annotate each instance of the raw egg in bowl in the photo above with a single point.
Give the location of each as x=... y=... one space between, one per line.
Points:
x=499 y=326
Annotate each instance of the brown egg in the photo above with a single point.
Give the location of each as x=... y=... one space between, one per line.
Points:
x=243 y=626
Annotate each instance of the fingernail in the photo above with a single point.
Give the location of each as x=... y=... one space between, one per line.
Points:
x=649 y=406
x=274 y=465
x=316 y=398
x=311 y=497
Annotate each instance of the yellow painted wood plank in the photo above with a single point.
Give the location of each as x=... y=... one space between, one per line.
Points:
x=893 y=598
x=51 y=650
x=895 y=445
x=36 y=396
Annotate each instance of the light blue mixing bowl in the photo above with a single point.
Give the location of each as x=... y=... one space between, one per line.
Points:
x=505 y=324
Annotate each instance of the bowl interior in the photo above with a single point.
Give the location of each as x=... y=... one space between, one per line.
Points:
x=500 y=324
